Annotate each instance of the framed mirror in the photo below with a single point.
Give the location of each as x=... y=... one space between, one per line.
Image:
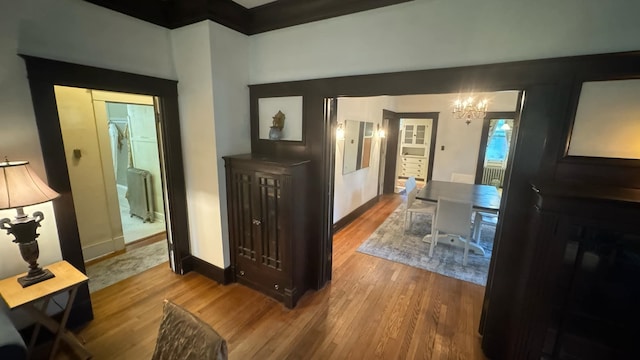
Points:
x=358 y=141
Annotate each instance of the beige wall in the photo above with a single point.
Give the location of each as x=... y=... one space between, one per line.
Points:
x=607 y=122
x=91 y=175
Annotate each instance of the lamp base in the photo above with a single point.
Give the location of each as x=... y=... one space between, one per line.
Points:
x=28 y=280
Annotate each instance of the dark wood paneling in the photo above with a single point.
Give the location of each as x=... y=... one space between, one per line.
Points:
x=153 y=11
x=391 y=159
x=285 y=13
x=540 y=141
x=347 y=219
x=43 y=75
x=224 y=12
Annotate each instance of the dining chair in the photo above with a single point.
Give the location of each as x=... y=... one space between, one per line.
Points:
x=463 y=178
x=483 y=218
x=453 y=217
x=412 y=207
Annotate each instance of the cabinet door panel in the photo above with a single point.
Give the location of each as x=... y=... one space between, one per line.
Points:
x=242 y=215
x=269 y=208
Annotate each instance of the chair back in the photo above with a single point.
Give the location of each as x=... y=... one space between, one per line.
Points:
x=411 y=197
x=453 y=217
x=183 y=336
x=463 y=178
x=410 y=184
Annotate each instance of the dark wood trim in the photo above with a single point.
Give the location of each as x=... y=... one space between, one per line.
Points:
x=539 y=141
x=153 y=11
x=485 y=137
x=390 y=162
x=173 y=14
x=284 y=13
x=571 y=167
x=434 y=133
x=224 y=12
x=330 y=126
x=43 y=75
x=347 y=219
x=222 y=276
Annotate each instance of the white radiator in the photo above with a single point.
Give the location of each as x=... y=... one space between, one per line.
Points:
x=139 y=194
x=493 y=176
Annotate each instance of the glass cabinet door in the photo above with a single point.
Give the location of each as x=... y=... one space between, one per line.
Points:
x=421 y=131
x=409 y=131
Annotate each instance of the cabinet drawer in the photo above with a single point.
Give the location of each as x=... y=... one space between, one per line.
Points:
x=412 y=167
x=410 y=160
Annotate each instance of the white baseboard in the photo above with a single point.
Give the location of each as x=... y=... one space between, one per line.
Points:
x=100 y=249
x=158 y=216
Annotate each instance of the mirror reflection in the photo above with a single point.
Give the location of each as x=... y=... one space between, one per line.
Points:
x=358 y=139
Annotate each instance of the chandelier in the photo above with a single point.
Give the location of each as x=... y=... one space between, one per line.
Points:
x=469 y=110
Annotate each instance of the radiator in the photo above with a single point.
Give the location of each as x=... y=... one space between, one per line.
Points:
x=493 y=176
x=139 y=194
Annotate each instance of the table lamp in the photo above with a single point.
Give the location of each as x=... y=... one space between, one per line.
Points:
x=19 y=187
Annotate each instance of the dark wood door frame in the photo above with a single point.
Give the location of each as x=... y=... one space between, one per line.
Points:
x=550 y=84
x=43 y=75
x=484 y=139
x=392 y=144
x=393 y=129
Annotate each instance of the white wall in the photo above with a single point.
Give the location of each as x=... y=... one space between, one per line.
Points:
x=461 y=141
x=192 y=56
x=356 y=188
x=67 y=30
x=211 y=59
x=229 y=66
x=427 y=34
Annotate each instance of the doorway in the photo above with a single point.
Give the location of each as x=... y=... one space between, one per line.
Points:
x=495 y=146
x=112 y=156
x=43 y=75
x=427 y=145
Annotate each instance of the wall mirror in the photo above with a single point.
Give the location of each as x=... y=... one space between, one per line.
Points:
x=606 y=123
x=358 y=140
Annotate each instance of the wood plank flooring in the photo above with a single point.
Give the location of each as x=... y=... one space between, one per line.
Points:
x=373 y=308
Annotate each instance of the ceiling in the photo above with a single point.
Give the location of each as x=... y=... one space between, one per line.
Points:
x=246 y=16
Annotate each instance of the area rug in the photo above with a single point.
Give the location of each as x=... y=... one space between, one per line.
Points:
x=120 y=267
x=390 y=241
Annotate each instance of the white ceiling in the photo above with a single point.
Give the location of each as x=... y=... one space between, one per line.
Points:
x=252 y=3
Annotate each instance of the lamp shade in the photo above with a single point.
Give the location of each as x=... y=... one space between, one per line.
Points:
x=20 y=186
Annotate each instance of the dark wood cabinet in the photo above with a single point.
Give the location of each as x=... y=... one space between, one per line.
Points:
x=582 y=299
x=267 y=224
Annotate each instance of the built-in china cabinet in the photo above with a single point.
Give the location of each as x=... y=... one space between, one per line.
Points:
x=415 y=143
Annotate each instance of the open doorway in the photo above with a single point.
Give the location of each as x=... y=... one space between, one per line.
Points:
x=495 y=146
x=430 y=144
x=112 y=156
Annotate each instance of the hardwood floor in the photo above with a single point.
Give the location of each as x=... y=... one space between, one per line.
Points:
x=373 y=308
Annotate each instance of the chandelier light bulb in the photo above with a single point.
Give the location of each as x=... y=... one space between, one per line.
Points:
x=470 y=110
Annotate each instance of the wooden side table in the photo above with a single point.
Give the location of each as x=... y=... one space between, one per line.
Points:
x=67 y=279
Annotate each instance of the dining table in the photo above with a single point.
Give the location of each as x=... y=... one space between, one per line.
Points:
x=485 y=198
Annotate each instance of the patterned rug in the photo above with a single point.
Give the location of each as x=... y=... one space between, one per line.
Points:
x=391 y=242
x=120 y=267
